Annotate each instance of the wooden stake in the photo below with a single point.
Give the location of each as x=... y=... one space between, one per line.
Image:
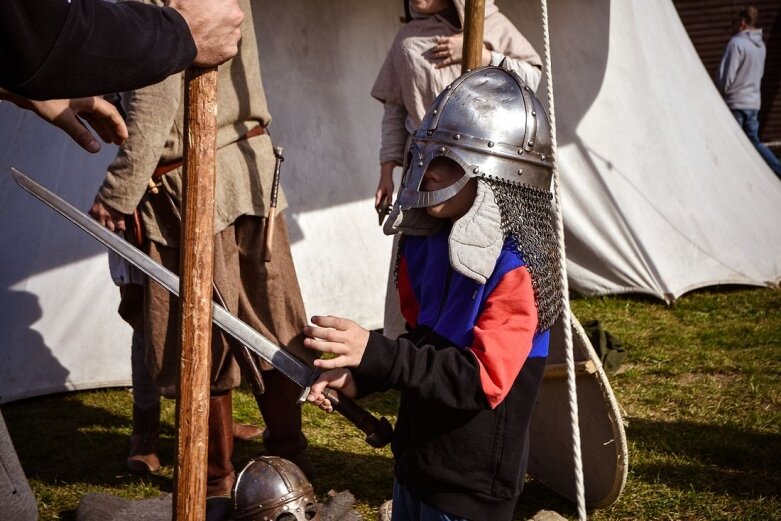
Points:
x=474 y=20
x=195 y=305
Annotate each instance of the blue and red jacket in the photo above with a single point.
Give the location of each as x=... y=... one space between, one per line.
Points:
x=469 y=371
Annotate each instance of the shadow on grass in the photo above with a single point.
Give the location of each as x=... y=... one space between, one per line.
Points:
x=368 y=476
x=722 y=459
x=59 y=439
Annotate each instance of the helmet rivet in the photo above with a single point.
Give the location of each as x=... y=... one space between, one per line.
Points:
x=476 y=170
x=490 y=144
x=534 y=112
x=420 y=163
x=520 y=151
x=441 y=150
x=526 y=87
x=531 y=143
x=520 y=171
x=285 y=508
x=457 y=137
x=542 y=157
x=429 y=132
x=435 y=111
x=449 y=87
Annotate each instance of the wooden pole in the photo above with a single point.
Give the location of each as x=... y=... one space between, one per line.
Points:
x=195 y=305
x=474 y=20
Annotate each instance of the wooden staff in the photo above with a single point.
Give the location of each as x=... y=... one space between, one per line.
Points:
x=474 y=18
x=195 y=305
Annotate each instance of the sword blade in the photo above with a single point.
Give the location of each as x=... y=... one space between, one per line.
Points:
x=378 y=430
x=241 y=331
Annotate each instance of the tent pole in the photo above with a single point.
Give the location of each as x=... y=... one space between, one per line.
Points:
x=195 y=305
x=474 y=18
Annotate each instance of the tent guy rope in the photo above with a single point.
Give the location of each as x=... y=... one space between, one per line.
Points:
x=565 y=313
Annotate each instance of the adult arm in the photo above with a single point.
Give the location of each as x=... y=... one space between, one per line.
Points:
x=151 y=114
x=529 y=73
x=71 y=114
x=728 y=68
x=449 y=48
x=394 y=139
x=67 y=49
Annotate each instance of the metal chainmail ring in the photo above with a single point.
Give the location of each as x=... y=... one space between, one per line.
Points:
x=527 y=217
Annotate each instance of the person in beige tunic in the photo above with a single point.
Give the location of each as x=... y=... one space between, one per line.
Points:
x=424 y=58
x=266 y=295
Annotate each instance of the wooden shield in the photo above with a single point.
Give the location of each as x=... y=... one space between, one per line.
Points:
x=602 y=436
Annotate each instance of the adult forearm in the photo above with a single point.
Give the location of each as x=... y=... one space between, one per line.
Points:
x=100 y=47
x=151 y=113
x=393 y=134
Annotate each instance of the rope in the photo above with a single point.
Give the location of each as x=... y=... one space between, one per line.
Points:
x=565 y=313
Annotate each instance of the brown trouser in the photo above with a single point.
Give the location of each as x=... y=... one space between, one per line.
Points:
x=265 y=295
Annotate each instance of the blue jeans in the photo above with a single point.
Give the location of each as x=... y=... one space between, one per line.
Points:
x=747 y=119
x=407 y=508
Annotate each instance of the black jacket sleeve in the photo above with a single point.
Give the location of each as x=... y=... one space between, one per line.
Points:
x=67 y=49
x=445 y=374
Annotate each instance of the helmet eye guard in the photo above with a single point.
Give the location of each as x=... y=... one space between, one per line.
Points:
x=421 y=155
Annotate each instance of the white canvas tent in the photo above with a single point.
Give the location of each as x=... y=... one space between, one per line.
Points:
x=662 y=192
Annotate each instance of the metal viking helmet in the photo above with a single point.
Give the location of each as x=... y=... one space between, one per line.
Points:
x=269 y=488
x=489 y=122
x=494 y=127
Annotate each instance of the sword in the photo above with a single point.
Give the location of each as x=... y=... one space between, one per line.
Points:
x=378 y=431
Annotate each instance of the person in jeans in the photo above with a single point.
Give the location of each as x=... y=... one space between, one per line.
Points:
x=740 y=76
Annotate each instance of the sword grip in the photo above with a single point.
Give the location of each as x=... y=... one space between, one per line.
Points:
x=378 y=430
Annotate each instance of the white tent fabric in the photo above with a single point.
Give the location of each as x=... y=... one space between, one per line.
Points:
x=662 y=193
x=58 y=325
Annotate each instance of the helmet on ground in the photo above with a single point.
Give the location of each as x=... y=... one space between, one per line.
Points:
x=269 y=488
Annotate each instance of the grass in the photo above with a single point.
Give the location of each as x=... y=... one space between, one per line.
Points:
x=700 y=388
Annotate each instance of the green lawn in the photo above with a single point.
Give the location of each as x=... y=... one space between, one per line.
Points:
x=701 y=389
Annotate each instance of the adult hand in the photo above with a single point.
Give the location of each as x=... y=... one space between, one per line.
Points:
x=107 y=216
x=67 y=114
x=385 y=186
x=340 y=336
x=449 y=51
x=339 y=379
x=102 y=116
x=215 y=27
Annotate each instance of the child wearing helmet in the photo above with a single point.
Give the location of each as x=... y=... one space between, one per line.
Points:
x=477 y=275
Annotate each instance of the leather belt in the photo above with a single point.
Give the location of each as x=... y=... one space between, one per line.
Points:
x=164 y=168
x=134 y=224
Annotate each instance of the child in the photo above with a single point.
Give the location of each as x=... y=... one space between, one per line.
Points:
x=478 y=283
x=425 y=56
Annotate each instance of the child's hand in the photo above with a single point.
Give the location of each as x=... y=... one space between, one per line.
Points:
x=339 y=379
x=339 y=336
